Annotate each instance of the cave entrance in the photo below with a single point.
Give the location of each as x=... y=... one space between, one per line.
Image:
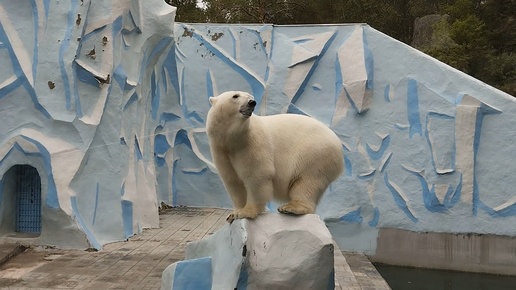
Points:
x=27 y=199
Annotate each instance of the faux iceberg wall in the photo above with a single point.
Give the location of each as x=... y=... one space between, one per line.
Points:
x=107 y=100
x=78 y=93
x=427 y=148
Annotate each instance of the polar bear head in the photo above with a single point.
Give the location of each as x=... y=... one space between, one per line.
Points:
x=234 y=103
x=230 y=114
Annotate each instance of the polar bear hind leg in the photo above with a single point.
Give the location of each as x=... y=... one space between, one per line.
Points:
x=304 y=195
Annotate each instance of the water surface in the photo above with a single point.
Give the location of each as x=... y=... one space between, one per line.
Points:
x=402 y=278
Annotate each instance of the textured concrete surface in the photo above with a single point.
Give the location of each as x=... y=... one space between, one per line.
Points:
x=460 y=252
x=8 y=251
x=139 y=262
x=364 y=272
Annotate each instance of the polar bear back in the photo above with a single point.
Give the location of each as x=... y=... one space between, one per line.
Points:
x=299 y=134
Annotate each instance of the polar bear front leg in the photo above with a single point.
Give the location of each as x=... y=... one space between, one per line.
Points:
x=258 y=194
x=233 y=184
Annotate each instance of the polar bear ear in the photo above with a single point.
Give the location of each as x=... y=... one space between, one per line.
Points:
x=212 y=100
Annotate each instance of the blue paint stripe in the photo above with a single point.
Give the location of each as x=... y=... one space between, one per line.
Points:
x=450 y=196
x=52 y=201
x=86 y=77
x=182 y=138
x=161 y=145
x=4 y=91
x=127 y=218
x=168 y=117
x=22 y=79
x=347 y=162
x=137 y=150
x=150 y=58
x=46 y=5
x=155 y=96
x=413 y=109
x=458 y=190
x=164 y=81
x=170 y=64
x=302 y=87
x=132 y=99
x=174 y=183
x=430 y=200
x=34 y=98
x=352 y=216
x=353 y=105
x=96 y=204
x=62 y=49
x=89 y=234
x=368 y=61
x=234 y=43
x=209 y=85
x=117 y=26
x=386 y=93
x=184 y=106
x=35 y=18
x=508 y=211
x=338 y=81
x=195 y=116
x=293 y=109
x=375 y=155
x=398 y=199
x=376 y=217
x=14 y=60
x=476 y=145
x=120 y=76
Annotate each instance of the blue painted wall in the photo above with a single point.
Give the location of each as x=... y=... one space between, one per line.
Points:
x=427 y=147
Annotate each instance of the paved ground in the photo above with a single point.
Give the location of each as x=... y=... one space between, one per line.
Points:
x=139 y=262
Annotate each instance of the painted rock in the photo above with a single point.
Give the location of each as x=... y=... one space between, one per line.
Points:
x=274 y=251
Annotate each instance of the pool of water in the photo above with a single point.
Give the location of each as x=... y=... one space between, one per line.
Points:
x=402 y=278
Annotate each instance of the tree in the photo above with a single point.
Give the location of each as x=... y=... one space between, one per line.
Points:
x=255 y=11
x=188 y=11
x=484 y=36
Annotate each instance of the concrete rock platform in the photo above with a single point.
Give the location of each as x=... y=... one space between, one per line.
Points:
x=139 y=262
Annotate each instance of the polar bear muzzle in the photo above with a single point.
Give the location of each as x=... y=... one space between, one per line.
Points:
x=248 y=108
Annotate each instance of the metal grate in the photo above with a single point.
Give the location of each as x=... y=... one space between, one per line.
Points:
x=28 y=200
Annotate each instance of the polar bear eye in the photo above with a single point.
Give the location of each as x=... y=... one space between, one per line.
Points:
x=235 y=96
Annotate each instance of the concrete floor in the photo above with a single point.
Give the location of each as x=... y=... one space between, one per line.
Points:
x=139 y=262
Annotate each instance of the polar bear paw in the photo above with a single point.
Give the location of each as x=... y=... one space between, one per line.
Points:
x=242 y=214
x=231 y=217
x=296 y=208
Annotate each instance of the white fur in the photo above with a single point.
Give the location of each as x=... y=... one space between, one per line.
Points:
x=291 y=158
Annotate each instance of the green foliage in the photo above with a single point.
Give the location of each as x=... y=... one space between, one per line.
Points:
x=187 y=11
x=483 y=33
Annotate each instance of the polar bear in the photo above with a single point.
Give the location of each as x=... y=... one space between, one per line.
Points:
x=287 y=157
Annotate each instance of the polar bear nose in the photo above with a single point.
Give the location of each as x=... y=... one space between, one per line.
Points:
x=252 y=103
